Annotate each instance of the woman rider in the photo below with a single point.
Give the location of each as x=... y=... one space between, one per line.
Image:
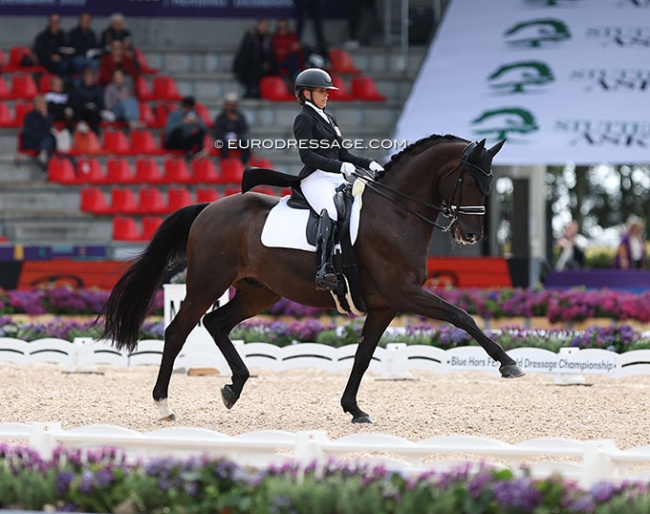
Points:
x=326 y=163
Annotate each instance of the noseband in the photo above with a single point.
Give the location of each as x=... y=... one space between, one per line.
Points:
x=448 y=209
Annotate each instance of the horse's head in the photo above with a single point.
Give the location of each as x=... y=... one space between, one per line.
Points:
x=465 y=188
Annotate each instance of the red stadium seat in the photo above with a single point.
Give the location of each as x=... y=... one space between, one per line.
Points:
x=142 y=62
x=143 y=143
x=6 y=116
x=232 y=170
x=149 y=226
x=125 y=228
x=124 y=201
x=94 y=201
x=20 y=110
x=4 y=62
x=204 y=114
x=177 y=198
x=363 y=88
x=115 y=142
x=232 y=191
x=204 y=171
x=206 y=194
x=60 y=170
x=177 y=172
x=147 y=171
x=86 y=143
x=23 y=86
x=260 y=162
x=274 y=88
x=17 y=57
x=118 y=171
x=342 y=93
x=90 y=171
x=5 y=92
x=165 y=88
x=162 y=112
x=142 y=89
x=152 y=201
x=147 y=116
x=45 y=83
x=341 y=61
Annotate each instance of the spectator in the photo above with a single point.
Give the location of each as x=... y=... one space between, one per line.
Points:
x=84 y=42
x=286 y=49
x=312 y=9
x=58 y=100
x=119 y=100
x=572 y=248
x=631 y=252
x=185 y=130
x=116 y=32
x=117 y=59
x=255 y=58
x=37 y=132
x=50 y=45
x=355 y=10
x=231 y=125
x=88 y=100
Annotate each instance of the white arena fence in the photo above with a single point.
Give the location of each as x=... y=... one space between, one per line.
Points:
x=585 y=461
x=397 y=360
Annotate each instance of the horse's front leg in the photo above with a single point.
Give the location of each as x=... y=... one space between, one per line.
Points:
x=374 y=326
x=420 y=301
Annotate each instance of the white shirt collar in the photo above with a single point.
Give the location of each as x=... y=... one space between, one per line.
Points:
x=318 y=110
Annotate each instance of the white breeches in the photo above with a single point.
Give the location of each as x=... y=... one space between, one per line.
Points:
x=319 y=189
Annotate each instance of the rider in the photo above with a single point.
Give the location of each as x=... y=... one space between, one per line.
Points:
x=326 y=163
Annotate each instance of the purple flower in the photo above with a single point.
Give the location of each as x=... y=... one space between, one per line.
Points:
x=517 y=493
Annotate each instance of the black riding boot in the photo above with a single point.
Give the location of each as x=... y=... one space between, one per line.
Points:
x=325 y=276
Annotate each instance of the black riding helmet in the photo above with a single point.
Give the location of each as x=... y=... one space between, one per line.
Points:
x=313 y=78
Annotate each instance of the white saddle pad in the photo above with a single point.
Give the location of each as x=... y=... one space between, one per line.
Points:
x=285 y=227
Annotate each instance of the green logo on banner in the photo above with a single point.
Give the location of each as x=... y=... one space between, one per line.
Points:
x=504 y=123
x=515 y=77
x=536 y=33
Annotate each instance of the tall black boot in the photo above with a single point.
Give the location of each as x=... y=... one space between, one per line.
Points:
x=325 y=276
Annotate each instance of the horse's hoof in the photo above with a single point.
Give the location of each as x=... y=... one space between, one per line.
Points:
x=511 y=371
x=169 y=417
x=364 y=418
x=228 y=396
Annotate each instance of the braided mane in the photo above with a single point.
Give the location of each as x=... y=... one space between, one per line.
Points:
x=419 y=144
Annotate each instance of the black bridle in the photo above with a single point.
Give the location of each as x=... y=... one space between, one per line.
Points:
x=448 y=209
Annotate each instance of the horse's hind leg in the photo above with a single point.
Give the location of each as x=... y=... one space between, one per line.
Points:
x=251 y=299
x=373 y=328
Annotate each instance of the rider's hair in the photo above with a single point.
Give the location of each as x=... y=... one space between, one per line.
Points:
x=301 y=96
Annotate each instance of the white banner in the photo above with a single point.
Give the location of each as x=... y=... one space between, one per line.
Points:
x=562 y=80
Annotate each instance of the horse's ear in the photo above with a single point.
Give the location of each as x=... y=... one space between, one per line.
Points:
x=495 y=149
x=477 y=151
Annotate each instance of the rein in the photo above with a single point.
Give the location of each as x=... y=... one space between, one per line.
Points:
x=449 y=211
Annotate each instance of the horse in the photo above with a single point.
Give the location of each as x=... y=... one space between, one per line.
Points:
x=220 y=242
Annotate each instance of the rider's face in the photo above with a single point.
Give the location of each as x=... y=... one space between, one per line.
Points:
x=319 y=97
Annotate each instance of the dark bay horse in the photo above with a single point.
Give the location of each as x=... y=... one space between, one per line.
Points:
x=221 y=244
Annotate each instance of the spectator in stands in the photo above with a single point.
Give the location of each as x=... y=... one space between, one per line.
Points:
x=231 y=126
x=572 y=247
x=50 y=47
x=88 y=100
x=116 y=32
x=119 y=100
x=631 y=252
x=255 y=58
x=117 y=59
x=355 y=10
x=185 y=130
x=84 y=42
x=37 y=132
x=59 y=102
x=286 y=48
x=326 y=164
x=312 y=9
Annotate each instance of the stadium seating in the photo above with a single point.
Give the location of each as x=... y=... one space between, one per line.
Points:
x=342 y=93
x=142 y=62
x=125 y=228
x=204 y=171
x=152 y=201
x=142 y=89
x=94 y=201
x=232 y=170
x=165 y=88
x=149 y=226
x=61 y=170
x=86 y=143
x=143 y=143
x=147 y=171
x=147 y=115
x=20 y=110
x=5 y=92
x=162 y=112
x=89 y=170
x=6 y=116
x=177 y=172
x=341 y=61
x=124 y=201
x=260 y=162
x=204 y=114
x=45 y=83
x=274 y=88
x=23 y=86
x=17 y=55
x=206 y=194
x=363 y=88
x=178 y=197
x=115 y=142
x=118 y=171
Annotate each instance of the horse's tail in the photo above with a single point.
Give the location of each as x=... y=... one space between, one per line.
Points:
x=131 y=298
